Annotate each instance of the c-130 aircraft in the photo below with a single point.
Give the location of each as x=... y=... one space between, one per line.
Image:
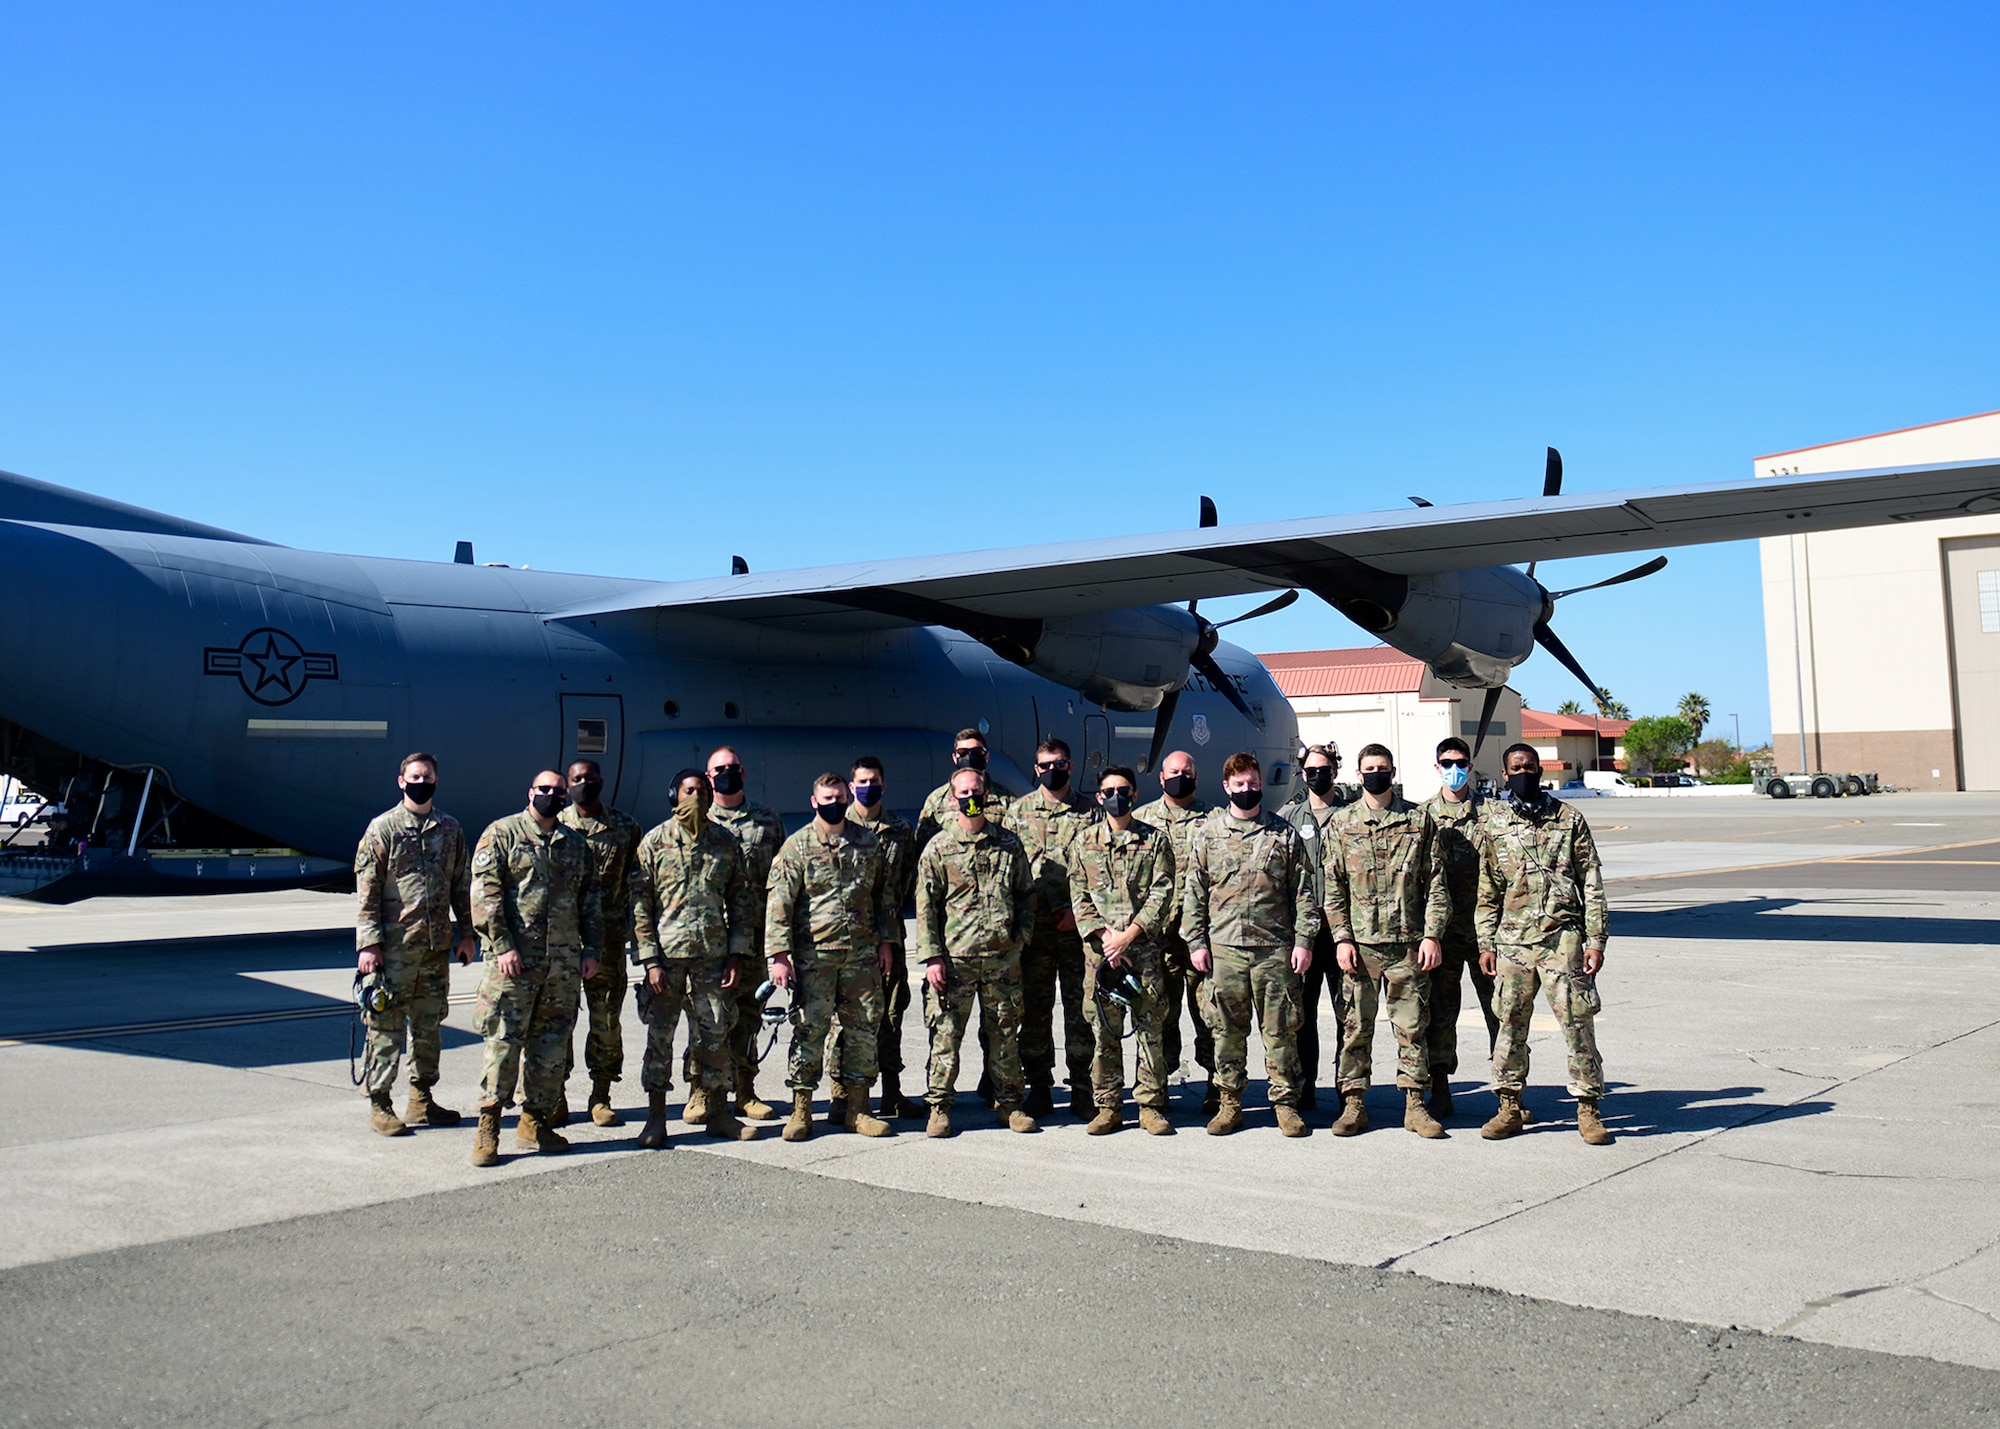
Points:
x=218 y=712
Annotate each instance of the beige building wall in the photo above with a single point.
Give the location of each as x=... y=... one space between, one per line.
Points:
x=1857 y=637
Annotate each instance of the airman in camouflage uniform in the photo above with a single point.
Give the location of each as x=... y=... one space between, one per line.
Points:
x=1121 y=880
x=1388 y=905
x=1310 y=811
x=831 y=933
x=1177 y=813
x=975 y=904
x=613 y=837
x=1046 y=820
x=899 y=858
x=1542 y=924
x=1249 y=918
x=692 y=918
x=1456 y=814
x=411 y=880
x=940 y=807
x=541 y=931
x=759 y=832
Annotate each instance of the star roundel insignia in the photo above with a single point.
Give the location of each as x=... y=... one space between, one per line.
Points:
x=272 y=667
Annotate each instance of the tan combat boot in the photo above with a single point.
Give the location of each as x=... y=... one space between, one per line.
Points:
x=1228 y=1113
x=486 y=1141
x=1589 y=1124
x=696 y=1111
x=1290 y=1122
x=724 y=1127
x=1154 y=1122
x=749 y=1105
x=423 y=1111
x=601 y=1113
x=799 y=1126
x=1417 y=1118
x=561 y=1116
x=1353 y=1118
x=538 y=1135
x=860 y=1120
x=939 y=1124
x=382 y=1115
x=1440 y=1103
x=1506 y=1121
x=1013 y=1118
x=654 y=1134
x=1107 y=1120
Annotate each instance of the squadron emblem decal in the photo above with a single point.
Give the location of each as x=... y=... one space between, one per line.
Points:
x=1201 y=734
x=273 y=668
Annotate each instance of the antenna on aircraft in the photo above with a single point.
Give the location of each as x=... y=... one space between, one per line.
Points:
x=738 y=566
x=463 y=556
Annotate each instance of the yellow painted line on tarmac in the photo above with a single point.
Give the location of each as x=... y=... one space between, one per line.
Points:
x=187 y=1024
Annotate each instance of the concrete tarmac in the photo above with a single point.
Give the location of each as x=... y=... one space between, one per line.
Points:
x=1797 y=1221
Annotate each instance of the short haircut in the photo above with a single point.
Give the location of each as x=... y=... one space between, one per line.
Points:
x=1329 y=752
x=418 y=758
x=685 y=775
x=1528 y=749
x=1377 y=751
x=868 y=762
x=1241 y=762
x=979 y=774
x=969 y=734
x=1452 y=744
x=1053 y=745
x=722 y=749
x=829 y=780
x=1118 y=771
x=591 y=764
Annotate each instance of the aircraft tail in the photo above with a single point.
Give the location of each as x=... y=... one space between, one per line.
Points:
x=23 y=498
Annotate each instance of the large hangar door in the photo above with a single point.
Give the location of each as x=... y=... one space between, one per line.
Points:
x=1972 y=592
x=593 y=727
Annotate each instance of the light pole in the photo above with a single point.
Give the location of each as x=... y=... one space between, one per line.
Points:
x=1739 y=732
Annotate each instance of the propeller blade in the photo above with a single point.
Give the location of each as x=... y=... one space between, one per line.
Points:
x=1162 y=723
x=1485 y=718
x=1213 y=673
x=1658 y=563
x=1269 y=607
x=1552 y=474
x=1546 y=638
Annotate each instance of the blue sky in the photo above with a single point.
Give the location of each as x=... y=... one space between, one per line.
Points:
x=631 y=288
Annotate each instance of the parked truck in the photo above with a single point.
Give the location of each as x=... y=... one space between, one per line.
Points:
x=1821 y=784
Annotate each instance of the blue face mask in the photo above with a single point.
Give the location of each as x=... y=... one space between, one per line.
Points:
x=1455 y=776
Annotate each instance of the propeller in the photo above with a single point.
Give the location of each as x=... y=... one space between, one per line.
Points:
x=1485 y=718
x=1658 y=563
x=1552 y=485
x=1548 y=640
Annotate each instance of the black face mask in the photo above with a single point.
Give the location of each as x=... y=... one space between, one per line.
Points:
x=1179 y=786
x=1246 y=798
x=420 y=791
x=549 y=805
x=1053 y=780
x=1319 y=778
x=1377 y=781
x=1118 y=802
x=973 y=806
x=586 y=791
x=969 y=759
x=727 y=780
x=868 y=795
x=1525 y=786
x=830 y=811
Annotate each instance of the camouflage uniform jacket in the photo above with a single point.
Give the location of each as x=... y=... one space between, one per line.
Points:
x=830 y=894
x=1458 y=849
x=941 y=809
x=411 y=876
x=760 y=833
x=535 y=892
x=1046 y=827
x=1311 y=824
x=975 y=897
x=690 y=898
x=613 y=837
x=1177 y=825
x=899 y=850
x=1384 y=881
x=1539 y=876
x=1119 y=878
x=1249 y=884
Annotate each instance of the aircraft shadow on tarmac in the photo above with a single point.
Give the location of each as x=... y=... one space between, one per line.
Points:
x=1748 y=919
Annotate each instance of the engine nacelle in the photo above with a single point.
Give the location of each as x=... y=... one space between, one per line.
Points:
x=1472 y=627
x=1121 y=659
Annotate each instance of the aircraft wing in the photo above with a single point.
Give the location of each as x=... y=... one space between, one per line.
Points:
x=1110 y=573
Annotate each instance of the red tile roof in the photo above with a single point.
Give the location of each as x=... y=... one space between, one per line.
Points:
x=1374 y=670
x=1541 y=723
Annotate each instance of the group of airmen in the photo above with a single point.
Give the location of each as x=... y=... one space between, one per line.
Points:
x=1121 y=913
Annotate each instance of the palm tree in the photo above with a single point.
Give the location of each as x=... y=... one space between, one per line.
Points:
x=1694 y=709
x=1610 y=708
x=1569 y=707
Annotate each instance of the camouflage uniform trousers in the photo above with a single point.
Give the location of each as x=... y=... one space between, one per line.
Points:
x=889 y=1032
x=1053 y=961
x=1254 y=985
x=742 y=1039
x=1107 y=1021
x=1390 y=966
x=996 y=982
x=1448 y=997
x=849 y=984
x=696 y=984
x=419 y=987
x=526 y=1022
x=1181 y=984
x=1558 y=972
x=603 y=1015
x=1325 y=970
